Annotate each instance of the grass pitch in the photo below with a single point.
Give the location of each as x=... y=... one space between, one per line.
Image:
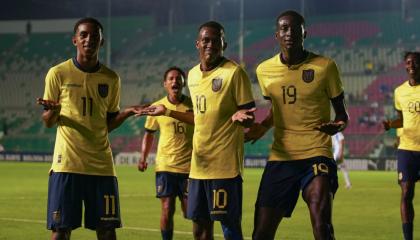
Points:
x=370 y=210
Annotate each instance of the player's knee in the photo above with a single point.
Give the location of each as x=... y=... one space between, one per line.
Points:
x=61 y=234
x=262 y=235
x=106 y=234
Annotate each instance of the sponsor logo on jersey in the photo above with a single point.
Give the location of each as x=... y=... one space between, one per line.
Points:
x=103 y=90
x=308 y=75
x=216 y=84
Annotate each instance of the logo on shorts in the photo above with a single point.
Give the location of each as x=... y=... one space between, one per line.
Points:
x=308 y=75
x=56 y=216
x=216 y=84
x=103 y=90
x=400 y=176
x=159 y=188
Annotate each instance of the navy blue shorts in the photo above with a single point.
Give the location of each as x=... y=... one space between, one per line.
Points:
x=408 y=165
x=67 y=192
x=282 y=181
x=171 y=184
x=215 y=199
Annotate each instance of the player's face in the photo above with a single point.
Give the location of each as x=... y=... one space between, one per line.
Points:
x=290 y=33
x=412 y=66
x=88 y=39
x=210 y=45
x=173 y=83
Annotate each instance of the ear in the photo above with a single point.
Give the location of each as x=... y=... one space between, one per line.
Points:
x=102 y=42
x=74 y=41
x=276 y=35
x=196 y=44
x=224 y=45
x=304 y=34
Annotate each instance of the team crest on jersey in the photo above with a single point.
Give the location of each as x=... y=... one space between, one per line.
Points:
x=216 y=84
x=308 y=75
x=103 y=90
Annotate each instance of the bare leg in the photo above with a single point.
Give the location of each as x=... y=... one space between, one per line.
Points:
x=266 y=222
x=318 y=197
x=203 y=229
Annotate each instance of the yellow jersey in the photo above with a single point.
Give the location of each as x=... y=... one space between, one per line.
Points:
x=218 y=143
x=407 y=100
x=175 y=140
x=82 y=144
x=300 y=96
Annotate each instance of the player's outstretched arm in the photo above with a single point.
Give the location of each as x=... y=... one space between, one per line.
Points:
x=257 y=130
x=160 y=110
x=341 y=117
x=51 y=112
x=245 y=117
x=395 y=123
x=146 y=145
x=114 y=120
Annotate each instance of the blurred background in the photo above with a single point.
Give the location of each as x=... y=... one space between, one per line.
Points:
x=367 y=39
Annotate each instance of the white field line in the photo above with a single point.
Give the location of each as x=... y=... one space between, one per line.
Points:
x=125 y=227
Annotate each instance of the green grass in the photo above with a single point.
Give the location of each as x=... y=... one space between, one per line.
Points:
x=370 y=210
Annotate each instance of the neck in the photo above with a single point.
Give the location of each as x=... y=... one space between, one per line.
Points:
x=414 y=81
x=208 y=66
x=87 y=62
x=293 y=56
x=175 y=99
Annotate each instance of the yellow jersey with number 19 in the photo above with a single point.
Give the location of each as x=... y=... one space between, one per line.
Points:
x=300 y=96
x=82 y=144
x=218 y=143
x=407 y=100
x=175 y=140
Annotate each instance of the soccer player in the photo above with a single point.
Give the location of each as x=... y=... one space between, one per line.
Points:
x=223 y=105
x=82 y=98
x=300 y=85
x=174 y=150
x=338 y=153
x=407 y=105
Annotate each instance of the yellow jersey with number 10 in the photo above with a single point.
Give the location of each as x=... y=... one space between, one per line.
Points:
x=218 y=143
x=300 y=96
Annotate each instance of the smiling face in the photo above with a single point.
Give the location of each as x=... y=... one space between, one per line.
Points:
x=210 y=45
x=290 y=33
x=412 y=64
x=173 y=83
x=88 y=39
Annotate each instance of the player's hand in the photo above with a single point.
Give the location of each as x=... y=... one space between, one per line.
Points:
x=386 y=124
x=154 y=110
x=48 y=104
x=331 y=128
x=142 y=165
x=138 y=109
x=243 y=115
x=256 y=131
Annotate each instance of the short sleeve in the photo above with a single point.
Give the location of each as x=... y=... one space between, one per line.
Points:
x=334 y=84
x=242 y=87
x=397 y=103
x=114 y=103
x=260 y=79
x=52 y=86
x=151 y=123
